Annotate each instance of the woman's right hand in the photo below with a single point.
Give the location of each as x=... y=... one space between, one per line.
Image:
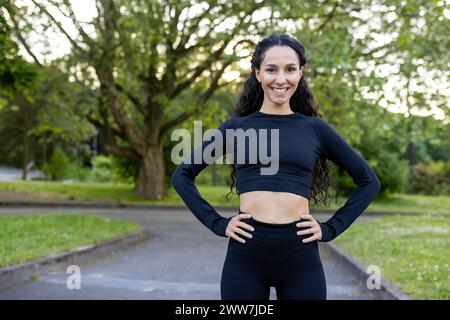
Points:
x=236 y=226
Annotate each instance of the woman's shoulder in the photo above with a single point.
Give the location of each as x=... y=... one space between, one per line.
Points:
x=323 y=129
x=318 y=123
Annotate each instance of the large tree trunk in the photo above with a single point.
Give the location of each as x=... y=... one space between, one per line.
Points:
x=150 y=181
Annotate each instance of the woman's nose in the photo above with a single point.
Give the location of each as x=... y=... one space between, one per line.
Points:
x=281 y=79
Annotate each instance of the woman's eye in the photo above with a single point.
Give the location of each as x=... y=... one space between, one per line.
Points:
x=270 y=70
x=291 y=69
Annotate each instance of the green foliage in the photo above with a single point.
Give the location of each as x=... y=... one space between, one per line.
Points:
x=169 y=165
x=59 y=166
x=431 y=178
x=14 y=71
x=124 y=169
x=79 y=173
x=101 y=168
x=392 y=172
x=111 y=169
x=53 y=112
x=104 y=169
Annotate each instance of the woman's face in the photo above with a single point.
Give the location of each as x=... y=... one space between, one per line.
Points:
x=279 y=74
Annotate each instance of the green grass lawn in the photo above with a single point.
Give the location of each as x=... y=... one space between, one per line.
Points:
x=412 y=252
x=28 y=237
x=124 y=193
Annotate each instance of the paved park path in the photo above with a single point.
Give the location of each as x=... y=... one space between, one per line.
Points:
x=180 y=260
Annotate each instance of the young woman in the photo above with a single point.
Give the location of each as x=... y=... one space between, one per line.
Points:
x=277 y=245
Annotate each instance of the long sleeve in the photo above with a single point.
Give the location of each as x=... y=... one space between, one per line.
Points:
x=183 y=181
x=336 y=149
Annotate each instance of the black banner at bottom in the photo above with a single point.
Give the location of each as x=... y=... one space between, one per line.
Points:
x=213 y=309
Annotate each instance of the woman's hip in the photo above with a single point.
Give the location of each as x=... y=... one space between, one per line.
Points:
x=275 y=242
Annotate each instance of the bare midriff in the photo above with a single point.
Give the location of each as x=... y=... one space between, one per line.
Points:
x=273 y=206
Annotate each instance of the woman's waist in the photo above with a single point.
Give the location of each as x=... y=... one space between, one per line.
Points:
x=273 y=207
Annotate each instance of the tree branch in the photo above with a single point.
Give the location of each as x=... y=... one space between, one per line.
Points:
x=101 y=125
x=133 y=99
x=199 y=69
x=77 y=24
x=22 y=39
x=172 y=123
x=113 y=148
x=58 y=24
x=328 y=17
x=214 y=83
x=185 y=36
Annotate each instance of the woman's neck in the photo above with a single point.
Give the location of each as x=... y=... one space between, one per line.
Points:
x=276 y=109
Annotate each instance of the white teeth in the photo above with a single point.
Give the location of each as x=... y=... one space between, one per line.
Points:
x=279 y=89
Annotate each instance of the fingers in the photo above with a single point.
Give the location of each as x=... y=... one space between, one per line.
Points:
x=245 y=226
x=313 y=227
x=306 y=224
x=240 y=231
x=237 y=225
x=234 y=236
x=243 y=216
x=312 y=238
x=307 y=217
x=308 y=231
x=248 y=235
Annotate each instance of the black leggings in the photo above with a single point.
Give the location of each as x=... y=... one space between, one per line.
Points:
x=274 y=257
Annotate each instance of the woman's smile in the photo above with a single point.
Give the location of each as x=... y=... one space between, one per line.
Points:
x=280 y=90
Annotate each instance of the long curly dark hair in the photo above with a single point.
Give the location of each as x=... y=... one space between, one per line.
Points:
x=301 y=101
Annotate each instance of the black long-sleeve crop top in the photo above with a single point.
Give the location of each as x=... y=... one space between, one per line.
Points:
x=301 y=140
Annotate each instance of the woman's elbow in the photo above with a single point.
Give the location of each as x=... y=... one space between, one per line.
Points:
x=376 y=184
x=371 y=182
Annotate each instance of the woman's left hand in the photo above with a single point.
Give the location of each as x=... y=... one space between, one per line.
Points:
x=314 y=228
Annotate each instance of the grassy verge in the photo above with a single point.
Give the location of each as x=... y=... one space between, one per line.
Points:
x=124 y=193
x=426 y=204
x=412 y=252
x=28 y=237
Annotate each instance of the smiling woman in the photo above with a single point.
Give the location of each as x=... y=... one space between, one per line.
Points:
x=281 y=246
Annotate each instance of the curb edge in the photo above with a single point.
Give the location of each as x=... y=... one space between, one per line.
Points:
x=388 y=291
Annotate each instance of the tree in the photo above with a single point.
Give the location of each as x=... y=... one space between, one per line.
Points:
x=143 y=54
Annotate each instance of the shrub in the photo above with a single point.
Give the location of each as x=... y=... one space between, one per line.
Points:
x=59 y=166
x=101 y=169
x=112 y=169
x=431 y=178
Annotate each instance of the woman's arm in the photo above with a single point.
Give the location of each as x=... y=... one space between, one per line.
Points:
x=183 y=182
x=335 y=148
